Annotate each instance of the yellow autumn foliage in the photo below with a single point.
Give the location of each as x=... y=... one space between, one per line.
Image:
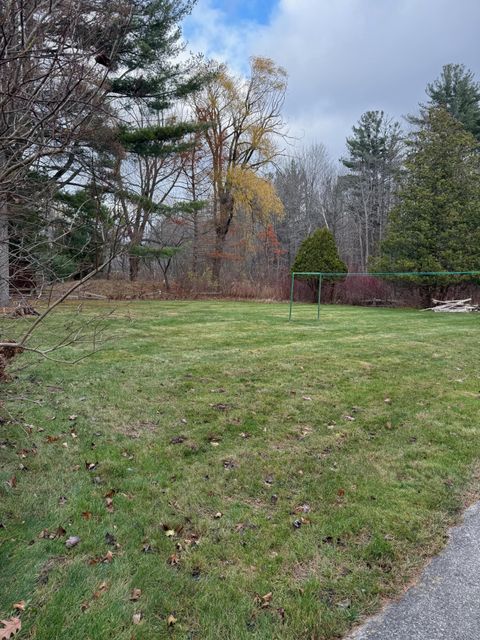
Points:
x=254 y=194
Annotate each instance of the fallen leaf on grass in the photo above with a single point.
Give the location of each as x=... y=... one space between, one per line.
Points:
x=19 y=606
x=12 y=483
x=72 y=417
x=109 y=505
x=136 y=618
x=303 y=508
x=91 y=466
x=220 y=406
x=106 y=559
x=110 y=539
x=177 y=440
x=10 y=628
x=135 y=595
x=351 y=418
x=72 y=542
x=218 y=515
x=170 y=533
x=171 y=620
x=101 y=589
x=306 y=398
x=86 y=515
x=263 y=601
x=173 y=560
x=51 y=439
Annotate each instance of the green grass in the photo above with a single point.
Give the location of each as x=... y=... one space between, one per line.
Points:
x=381 y=489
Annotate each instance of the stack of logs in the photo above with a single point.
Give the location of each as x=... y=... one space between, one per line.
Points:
x=454 y=306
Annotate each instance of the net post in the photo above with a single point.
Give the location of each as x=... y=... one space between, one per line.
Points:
x=319 y=295
x=291 y=296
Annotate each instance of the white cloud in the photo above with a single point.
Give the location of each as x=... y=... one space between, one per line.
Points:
x=346 y=56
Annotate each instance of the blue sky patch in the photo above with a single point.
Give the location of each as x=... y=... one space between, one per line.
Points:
x=258 y=11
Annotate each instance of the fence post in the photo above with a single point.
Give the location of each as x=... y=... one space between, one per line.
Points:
x=319 y=295
x=291 y=296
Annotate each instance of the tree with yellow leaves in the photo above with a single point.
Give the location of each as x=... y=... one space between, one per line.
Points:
x=245 y=128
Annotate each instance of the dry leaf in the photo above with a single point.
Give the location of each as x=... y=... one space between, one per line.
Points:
x=173 y=560
x=108 y=557
x=263 y=601
x=20 y=606
x=171 y=620
x=109 y=505
x=10 y=628
x=135 y=595
x=307 y=398
x=136 y=618
x=72 y=542
x=218 y=515
x=170 y=533
x=51 y=439
x=110 y=539
x=101 y=589
x=12 y=483
x=72 y=417
x=86 y=515
x=341 y=493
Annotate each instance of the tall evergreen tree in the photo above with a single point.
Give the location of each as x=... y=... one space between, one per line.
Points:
x=436 y=224
x=456 y=91
x=374 y=158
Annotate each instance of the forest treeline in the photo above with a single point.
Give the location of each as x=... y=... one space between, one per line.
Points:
x=120 y=152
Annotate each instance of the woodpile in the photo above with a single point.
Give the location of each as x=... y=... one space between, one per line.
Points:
x=454 y=306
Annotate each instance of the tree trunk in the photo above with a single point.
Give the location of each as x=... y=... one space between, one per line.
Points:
x=221 y=229
x=217 y=257
x=195 y=245
x=134 y=265
x=4 y=257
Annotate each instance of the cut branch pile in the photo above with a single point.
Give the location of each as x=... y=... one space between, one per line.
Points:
x=454 y=306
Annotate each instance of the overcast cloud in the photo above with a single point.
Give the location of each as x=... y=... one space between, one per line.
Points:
x=344 y=57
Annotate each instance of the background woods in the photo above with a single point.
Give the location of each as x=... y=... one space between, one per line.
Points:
x=117 y=148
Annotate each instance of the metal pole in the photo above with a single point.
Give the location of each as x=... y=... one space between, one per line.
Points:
x=291 y=296
x=319 y=295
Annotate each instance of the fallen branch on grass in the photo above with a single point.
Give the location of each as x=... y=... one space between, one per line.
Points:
x=453 y=306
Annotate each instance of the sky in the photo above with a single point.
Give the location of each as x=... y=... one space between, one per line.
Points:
x=343 y=57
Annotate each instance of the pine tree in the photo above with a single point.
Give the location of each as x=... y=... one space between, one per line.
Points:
x=456 y=91
x=436 y=224
x=374 y=158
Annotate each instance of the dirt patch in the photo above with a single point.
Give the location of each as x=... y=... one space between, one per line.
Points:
x=136 y=430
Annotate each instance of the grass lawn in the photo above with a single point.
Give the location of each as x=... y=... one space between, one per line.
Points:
x=254 y=478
